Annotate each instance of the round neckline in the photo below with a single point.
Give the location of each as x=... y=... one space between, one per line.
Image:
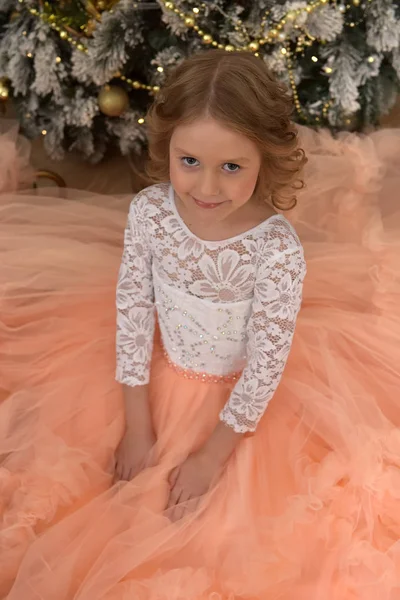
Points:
x=226 y=240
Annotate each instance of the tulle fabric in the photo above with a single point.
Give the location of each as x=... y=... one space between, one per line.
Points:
x=306 y=509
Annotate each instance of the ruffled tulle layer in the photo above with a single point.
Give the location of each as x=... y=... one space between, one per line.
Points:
x=307 y=508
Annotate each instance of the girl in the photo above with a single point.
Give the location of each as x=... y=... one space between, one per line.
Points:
x=199 y=478
x=225 y=271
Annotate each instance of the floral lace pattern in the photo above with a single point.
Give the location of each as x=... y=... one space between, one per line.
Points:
x=265 y=265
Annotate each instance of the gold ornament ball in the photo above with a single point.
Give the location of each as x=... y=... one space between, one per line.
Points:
x=229 y=48
x=101 y=5
x=189 y=22
x=207 y=39
x=356 y=2
x=113 y=101
x=254 y=46
x=63 y=35
x=4 y=91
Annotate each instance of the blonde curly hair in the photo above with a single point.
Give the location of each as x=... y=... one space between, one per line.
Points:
x=237 y=90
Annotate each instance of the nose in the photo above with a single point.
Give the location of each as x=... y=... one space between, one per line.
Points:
x=209 y=184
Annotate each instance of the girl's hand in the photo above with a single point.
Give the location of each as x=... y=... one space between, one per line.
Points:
x=134 y=454
x=195 y=477
x=190 y=481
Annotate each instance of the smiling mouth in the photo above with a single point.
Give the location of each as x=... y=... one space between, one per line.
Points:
x=207 y=205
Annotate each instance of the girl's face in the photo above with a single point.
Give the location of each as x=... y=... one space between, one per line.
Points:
x=213 y=169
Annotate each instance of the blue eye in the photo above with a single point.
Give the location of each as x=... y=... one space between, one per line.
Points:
x=189 y=161
x=231 y=167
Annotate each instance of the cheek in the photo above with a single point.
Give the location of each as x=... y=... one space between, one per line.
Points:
x=243 y=187
x=178 y=178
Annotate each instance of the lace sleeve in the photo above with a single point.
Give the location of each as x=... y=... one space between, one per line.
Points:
x=135 y=302
x=270 y=329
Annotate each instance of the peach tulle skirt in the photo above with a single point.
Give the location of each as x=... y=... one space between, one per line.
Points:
x=307 y=508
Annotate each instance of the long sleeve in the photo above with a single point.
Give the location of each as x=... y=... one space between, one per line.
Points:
x=135 y=301
x=270 y=330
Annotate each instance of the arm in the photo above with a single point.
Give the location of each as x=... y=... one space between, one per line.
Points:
x=270 y=331
x=135 y=331
x=135 y=302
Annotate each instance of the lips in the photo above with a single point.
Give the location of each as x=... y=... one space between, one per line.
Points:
x=207 y=205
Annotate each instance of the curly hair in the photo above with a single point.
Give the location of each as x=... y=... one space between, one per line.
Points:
x=236 y=89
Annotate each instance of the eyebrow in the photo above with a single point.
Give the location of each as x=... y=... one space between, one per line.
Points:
x=241 y=159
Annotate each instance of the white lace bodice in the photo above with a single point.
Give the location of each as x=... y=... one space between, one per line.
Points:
x=223 y=307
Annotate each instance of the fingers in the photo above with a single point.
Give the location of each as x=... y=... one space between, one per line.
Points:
x=124 y=471
x=174 y=497
x=117 y=473
x=173 y=477
x=181 y=508
x=121 y=473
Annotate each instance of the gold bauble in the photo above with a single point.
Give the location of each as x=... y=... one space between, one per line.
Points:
x=63 y=35
x=356 y=2
x=169 y=5
x=207 y=39
x=189 y=21
x=229 y=48
x=113 y=100
x=254 y=46
x=4 y=91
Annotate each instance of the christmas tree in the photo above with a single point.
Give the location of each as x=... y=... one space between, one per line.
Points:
x=82 y=72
